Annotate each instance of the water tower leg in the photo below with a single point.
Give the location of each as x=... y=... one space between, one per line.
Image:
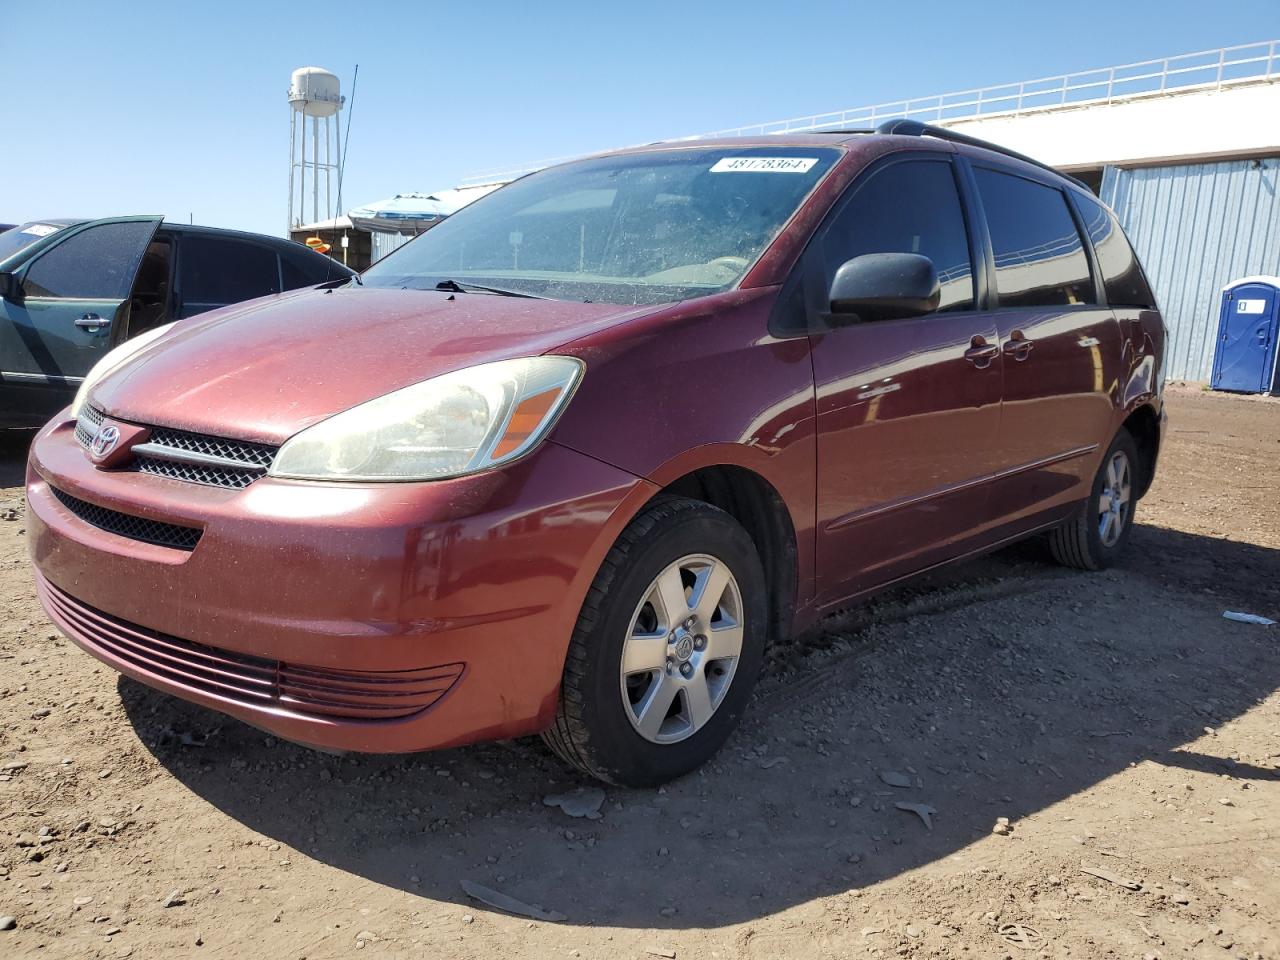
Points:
x=315 y=173
x=328 y=200
x=293 y=133
x=302 y=174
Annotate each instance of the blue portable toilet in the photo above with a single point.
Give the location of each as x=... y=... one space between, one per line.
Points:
x=1245 y=361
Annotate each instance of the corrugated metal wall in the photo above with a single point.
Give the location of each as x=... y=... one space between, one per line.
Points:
x=1196 y=228
x=384 y=243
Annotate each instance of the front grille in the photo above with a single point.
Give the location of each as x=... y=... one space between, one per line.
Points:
x=176 y=454
x=243 y=461
x=87 y=425
x=251 y=455
x=196 y=473
x=127 y=525
x=245 y=679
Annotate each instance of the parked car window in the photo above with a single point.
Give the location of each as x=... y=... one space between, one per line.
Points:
x=96 y=264
x=648 y=227
x=216 y=270
x=908 y=207
x=1040 y=258
x=1121 y=273
x=300 y=272
x=21 y=237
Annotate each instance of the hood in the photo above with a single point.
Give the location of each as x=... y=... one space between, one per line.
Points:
x=265 y=370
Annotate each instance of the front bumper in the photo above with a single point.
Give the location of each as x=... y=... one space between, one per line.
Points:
x=368 y=617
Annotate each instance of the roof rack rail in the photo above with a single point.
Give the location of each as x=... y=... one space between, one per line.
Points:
x=914 y=128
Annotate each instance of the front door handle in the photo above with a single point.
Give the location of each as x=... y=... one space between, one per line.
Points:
x=91 y=322
x=1018 y=346
x=980 y=352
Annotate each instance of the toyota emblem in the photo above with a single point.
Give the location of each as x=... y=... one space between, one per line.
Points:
x=105 y=441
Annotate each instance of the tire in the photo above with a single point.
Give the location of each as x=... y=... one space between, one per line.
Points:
x=1081 y=542
x=602 y=726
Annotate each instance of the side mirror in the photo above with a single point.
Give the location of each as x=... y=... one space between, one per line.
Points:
x=10 y=288
x=884 y=286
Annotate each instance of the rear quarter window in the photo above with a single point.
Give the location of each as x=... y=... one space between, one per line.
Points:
x=1122 y=275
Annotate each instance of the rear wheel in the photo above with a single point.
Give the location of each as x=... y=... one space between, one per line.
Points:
x=1096 y=536
x=667 y=647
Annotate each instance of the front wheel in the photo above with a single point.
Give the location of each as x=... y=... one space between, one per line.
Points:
x=667 y=647
x=1096 y=536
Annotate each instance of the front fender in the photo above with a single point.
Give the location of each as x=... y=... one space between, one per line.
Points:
x=702 y=384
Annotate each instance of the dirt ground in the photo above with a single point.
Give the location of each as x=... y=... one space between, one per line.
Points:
x=1116 y=719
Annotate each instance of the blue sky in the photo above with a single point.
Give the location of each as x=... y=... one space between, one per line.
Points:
x=179 y=107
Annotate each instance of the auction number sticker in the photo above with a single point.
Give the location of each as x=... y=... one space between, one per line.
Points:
x=764 y=164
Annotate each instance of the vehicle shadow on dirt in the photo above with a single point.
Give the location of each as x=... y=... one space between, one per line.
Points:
x=13 y=456
x=998 y=689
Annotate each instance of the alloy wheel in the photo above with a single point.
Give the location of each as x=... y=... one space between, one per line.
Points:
x=1114 y=501
x=682 y=648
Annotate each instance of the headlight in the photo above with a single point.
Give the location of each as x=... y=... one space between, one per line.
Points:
x=454 y=424
x=112 y=360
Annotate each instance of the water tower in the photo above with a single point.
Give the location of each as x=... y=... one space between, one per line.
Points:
x=314 y=95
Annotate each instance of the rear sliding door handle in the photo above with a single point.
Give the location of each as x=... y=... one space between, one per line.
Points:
x=1018 y=346
x=980 y=352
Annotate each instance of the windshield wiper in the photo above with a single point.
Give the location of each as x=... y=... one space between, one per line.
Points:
x=453 y=286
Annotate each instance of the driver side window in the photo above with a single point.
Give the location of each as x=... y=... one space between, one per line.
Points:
x=912 y=206
x=95 y=264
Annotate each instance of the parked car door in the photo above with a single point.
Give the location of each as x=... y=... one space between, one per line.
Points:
x=66 y=310
x=1062 y=347
x=216 y=271
x=908 y=411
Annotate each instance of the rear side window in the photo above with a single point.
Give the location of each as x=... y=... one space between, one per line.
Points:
x=1121 y=274
x=907 y=207
x=1040 y=259
x=218 y=271
x=95 y=264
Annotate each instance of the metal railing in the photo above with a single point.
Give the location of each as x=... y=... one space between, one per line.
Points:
x=1205 y=69
x=1167 y=76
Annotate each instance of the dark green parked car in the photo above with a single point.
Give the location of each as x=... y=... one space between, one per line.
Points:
x=70 y=290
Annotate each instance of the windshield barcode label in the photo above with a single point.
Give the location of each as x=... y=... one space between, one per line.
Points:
x=764 y=164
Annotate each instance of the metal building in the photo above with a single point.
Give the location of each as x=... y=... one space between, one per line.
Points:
x=1196 y=228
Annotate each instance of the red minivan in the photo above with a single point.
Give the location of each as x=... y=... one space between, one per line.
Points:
x=571 y=460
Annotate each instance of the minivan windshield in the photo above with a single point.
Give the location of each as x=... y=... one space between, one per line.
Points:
x=640 y=228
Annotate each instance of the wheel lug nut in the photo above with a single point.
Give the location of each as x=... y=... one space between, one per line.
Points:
x=686 y=669
x=688 y=624
x=699 y=642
